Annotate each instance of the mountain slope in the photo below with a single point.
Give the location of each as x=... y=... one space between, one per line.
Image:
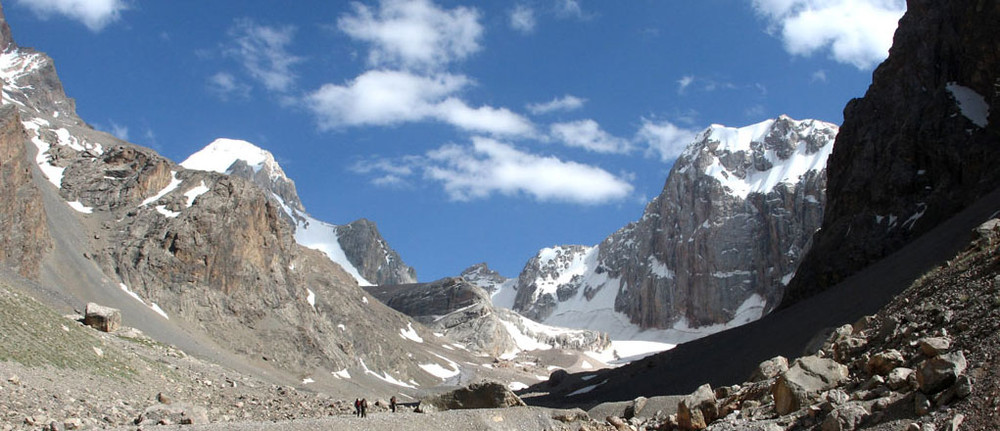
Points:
x=713 y=251
x=199 y=259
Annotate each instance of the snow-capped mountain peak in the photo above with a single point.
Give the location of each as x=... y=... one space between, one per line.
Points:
x=758 y=157
x=223 y=153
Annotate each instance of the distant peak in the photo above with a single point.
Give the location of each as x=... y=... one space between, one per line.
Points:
x=221 y=154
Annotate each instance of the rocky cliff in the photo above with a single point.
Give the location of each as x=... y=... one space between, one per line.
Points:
x=918 y=147
x=24 y=235
x=715 y=249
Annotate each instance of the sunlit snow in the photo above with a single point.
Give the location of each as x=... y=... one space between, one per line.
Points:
x=410 y=334
x=193 y=194
x=77 y=205
x=174 y=183
x=385 y=377
x=220 y=155
x=151 y=306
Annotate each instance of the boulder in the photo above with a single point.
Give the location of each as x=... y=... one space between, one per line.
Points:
x=770 y=369
x=938 y=373
x=102 y=318
x=634 y=408
x=804 y=380
x=485 y=395
x=696 y=411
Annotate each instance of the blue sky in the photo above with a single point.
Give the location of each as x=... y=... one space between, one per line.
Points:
x=468 y=131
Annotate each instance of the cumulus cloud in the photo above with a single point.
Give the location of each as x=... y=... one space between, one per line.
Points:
x=664 y=139
x=587 y=134
x=565 y=103
x=263 y=52
x=684 y=83
x=386 y=97
x=414 y=34
x=522 y=19
x=95 y=14
x=856 y=32
x=489 y=167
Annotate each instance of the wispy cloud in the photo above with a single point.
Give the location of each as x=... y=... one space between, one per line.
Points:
x=684 y=83
x=414 y=34
x=565 y=103
x=120 y=131
x=587 y=134
x=664 y=139
x=226 y=86
x=522 y=19
x=95 y=14
x=856 y=32
x=384 y=98
x=570 y=9
x=263 y=52
x=819 y=76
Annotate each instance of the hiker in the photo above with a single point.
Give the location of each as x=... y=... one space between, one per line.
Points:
x=357 y=407
x=364 y=407
x=392 y=403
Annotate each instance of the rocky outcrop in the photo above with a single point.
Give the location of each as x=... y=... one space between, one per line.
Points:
x=917 y=148
x=372 y=256
x=485 y=395
x=715 y=248
x=105 y=319
x=24 y=234
x=463 y=312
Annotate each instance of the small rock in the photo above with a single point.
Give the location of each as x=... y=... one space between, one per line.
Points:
x=770 y=369
x=698 y=409
x=899 y=378
x=955 y=422
x=837 y=397
x=14 y=380
x=163 y=398
x=73 y=424
x=618 y=423
x=845 y=418
x=921 y=405
x=884 y=362
x=934 y=346
x=632 y=410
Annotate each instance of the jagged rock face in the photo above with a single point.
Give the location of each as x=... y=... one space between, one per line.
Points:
x=920 y=146
x=717 y=246
x=24 y=234
x=372 y=256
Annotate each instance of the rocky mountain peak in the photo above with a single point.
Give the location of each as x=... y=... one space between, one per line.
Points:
x=6 y=39
x=244 y=159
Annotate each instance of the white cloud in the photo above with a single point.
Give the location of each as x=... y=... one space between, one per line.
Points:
x=856 y=32
x=684 y=83
x=587 y=134
x=819 y=76
x=383 y=98
x=664 y=139
x=565 y=103
x=414 y=34
x=570 y=9
x=490 y=167
x=263 y=52
x=226 y=86
x=522 y=19
x=95 y=14
x=120 y=132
